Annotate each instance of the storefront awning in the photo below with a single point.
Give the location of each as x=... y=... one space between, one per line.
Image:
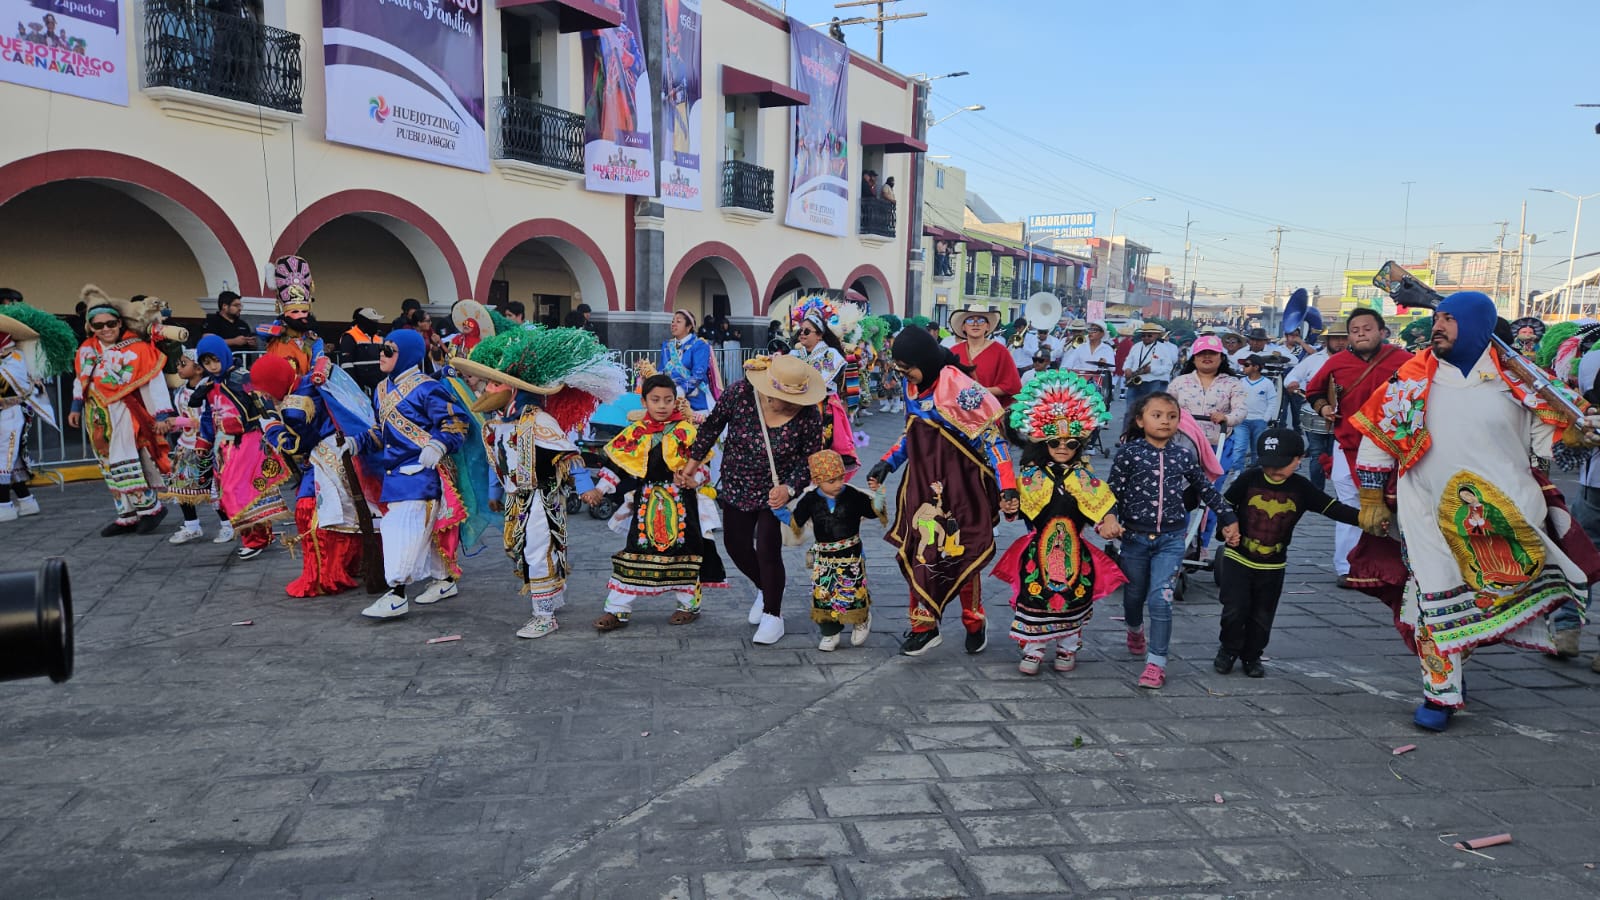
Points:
x=768 y=93
x=942 y=234
x=573 y=15
x=890 y=141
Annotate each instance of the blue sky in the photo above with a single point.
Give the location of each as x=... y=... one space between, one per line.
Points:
x=1246 y=115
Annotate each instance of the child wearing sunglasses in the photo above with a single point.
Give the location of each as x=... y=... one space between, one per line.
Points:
x=1057 y=575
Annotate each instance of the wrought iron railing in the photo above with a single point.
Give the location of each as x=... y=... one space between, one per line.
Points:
x=209 y=52
x=972 y=282
x=543 y=135
x=746 y=186
x=877 y=216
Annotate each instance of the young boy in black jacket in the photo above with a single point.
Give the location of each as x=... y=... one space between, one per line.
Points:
x=1269 y=500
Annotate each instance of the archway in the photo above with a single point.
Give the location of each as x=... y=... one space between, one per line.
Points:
x=798 y=271
x=870 y=283
x=358 y=261
x=709 y=271
x=72 y=212
x=438 y=263
x=550 y=266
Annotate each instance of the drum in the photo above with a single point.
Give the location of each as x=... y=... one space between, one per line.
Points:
x=1100 y=378
x=1312 y=422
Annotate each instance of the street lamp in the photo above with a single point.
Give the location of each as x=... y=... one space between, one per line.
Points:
x=1572 y=255
x=976 y=107
x=923 y=76
x=1185 y=285
x=1111 y=242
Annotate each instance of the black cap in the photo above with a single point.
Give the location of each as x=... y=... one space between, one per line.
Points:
x=1258 y=334
x=1279 y=447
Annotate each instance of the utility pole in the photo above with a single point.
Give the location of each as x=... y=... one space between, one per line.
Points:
x=1405 y=234
x=1186 y=223
x=1276 y=246
x=877 y=20
x=1522 y=257
x=1499 y=260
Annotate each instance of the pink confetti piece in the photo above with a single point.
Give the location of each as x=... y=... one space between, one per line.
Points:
x=1216 y=798
x=245 y=622
x=444 y=640
x=1406 y=749
x=1493 y=840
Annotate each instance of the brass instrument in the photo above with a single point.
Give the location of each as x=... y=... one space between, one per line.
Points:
x=1133 y=380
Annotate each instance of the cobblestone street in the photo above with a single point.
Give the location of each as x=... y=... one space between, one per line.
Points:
x=221 y=739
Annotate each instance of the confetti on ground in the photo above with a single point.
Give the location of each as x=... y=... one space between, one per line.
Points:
x=1405 y=749
x=1118 y=619
x=1299 y=592
x=644 y=734
x=444 y=640
x=1216 y=798
x=1493 y=840
x=1588 y=865
x=245 y=622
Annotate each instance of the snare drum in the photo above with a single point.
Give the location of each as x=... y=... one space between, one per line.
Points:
x=1312 y=422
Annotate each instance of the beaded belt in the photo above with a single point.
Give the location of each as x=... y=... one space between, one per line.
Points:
x=832 y=546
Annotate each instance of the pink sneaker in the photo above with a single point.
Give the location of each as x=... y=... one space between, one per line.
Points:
x=1136 y=642
x=1154 y=676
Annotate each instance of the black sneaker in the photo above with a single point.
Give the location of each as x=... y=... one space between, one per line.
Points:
x=917 y=643
x=977 y=640
x=116 y=528
x=1224 y=662
x=149 y=523
x=1252 y=668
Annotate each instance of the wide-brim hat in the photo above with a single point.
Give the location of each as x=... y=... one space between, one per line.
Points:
x=1257 y=334
x=786 y=378
x=471 y=310
x=475 y=369
x=18 y=331
x=1151 y=328
x=960 y=315
x=1336 y=328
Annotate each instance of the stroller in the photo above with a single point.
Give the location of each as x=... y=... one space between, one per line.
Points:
x=1193 y=436
x=606 y=423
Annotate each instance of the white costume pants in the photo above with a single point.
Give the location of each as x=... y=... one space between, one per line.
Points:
x=409 y=553
x=1344 y=487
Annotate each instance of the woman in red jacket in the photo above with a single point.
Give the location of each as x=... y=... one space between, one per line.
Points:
x=989 y=360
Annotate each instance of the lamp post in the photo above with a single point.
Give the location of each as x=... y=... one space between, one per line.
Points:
x=1111 y=243
x=1572 y=255
x=976 y=107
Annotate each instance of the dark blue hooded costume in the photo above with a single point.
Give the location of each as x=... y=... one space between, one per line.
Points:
x=1475 y=320
x=413 y=410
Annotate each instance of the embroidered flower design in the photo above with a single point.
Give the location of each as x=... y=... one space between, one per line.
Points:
x=970 y=398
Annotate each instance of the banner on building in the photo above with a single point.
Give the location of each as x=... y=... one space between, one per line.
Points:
x=406 y=77
x=680 y=108
x=72 y=47
x=618 y=154
x=1063 y=225
x=819 y=134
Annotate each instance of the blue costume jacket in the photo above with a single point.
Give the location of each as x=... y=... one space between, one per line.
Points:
x=301 y=423
x=413 y=410
x=689 y=366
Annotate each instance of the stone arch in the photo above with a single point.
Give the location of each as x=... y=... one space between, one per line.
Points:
x=443 y=270
x=580 y=253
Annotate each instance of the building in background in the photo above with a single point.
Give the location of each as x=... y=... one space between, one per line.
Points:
x=1493 y=272
x=1359 y=291
x=494 y=153
x=1120 y=265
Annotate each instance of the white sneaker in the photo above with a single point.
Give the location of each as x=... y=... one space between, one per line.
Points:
x=437 y=591
x=389 y=606
x=861 y=631
x=829 y=642
x=538 y=627
x=8 y=512
x=250 y=552
x=224 y=534
x=771 y=630
x=28 y=506
x=186 y=534
x=756 y=610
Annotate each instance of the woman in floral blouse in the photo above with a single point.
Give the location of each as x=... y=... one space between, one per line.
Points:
x=1208 y=389
x=788 y=392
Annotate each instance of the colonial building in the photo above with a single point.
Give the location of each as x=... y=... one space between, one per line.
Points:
x=186 y=145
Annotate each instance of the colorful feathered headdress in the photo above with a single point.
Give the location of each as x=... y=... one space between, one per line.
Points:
x=568 y=366
x=50 y=352
x=292 y=282
x=873 y=330
x=1058 y=404
x=817 y=307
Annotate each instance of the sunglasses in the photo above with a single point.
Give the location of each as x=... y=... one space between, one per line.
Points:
x=805 y=331
x=388 y=351
x=1058 y=443
x=104 y=324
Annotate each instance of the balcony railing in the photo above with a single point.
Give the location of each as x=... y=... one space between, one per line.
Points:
x=543 y=135
x=981 y=287
x=877 y=216
x=198 y=49
x=972 y=282
x=746 y=186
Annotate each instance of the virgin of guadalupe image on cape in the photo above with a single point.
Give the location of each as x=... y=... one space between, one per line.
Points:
x=1494 y=547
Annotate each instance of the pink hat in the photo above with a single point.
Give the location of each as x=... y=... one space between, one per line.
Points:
x=1205 y=343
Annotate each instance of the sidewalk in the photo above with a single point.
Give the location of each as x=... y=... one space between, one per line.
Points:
x=315 y=754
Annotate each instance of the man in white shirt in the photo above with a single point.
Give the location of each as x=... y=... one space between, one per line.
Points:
x=1150 y=362
x=1094 y=355
x=1566 y=622
x=1057 y=342
x=1334 y=340
x=1261 y=345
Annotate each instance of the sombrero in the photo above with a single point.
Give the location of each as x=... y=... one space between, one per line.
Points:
x=17 y=330
x=960 y=315
x=465 y=311
x=786 y=378
x=1151 y=328
x=475 y=369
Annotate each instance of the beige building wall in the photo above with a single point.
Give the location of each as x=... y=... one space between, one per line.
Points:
x=359 y=264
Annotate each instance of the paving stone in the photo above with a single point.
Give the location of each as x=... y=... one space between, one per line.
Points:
x=979 y=796
x=1022 y=830
x=1104 y=870
x=891 y=767
x=1017 y=874
x=916 y=879
x=979 y=763
x=946 y=737
x=885 y=837
x=802 y=883
x=1131 y=826
x=877 y=800
x=816 y=841
x=1263 y=862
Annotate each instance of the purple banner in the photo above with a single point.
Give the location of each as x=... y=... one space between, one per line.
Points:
x=680 y=107
x=618 y=153
x=100 y=12
x=819 y=134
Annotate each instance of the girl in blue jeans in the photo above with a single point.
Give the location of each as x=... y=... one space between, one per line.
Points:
x=1148 y=477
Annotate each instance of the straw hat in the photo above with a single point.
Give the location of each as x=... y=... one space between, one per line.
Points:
x=475 y=369
x=1151 y=328
x=786 y=378
x=471 y=310
x=18 y=331
x=1336 y=328
x=961 y=315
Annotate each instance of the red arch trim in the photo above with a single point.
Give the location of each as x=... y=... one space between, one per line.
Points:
x=709 y=250
x=870 y=271
x=63 y=165
x=797 y=261
x=545 y=228
x=345 y=203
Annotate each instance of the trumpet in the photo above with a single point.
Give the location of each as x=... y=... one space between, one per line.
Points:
x=1134 y=380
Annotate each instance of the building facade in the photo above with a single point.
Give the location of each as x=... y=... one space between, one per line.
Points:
x=228 y=153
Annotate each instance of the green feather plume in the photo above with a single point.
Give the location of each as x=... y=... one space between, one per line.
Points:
x=502 y=322
x=55 y=337
x=1554 y=336
x=873 y=330
x=893 y=321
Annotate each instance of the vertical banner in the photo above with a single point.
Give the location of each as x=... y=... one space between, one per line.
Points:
x=406 y=77
x=618 y=154
x=680 y=107
x=72 y=47
x=819 y=134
